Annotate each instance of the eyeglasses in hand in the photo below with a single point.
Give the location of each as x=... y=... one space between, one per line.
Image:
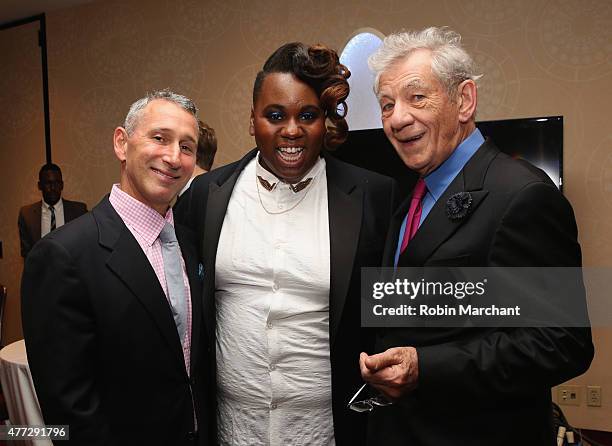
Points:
x=369 y=404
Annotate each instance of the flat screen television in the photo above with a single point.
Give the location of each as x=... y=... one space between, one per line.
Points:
x=537 y=140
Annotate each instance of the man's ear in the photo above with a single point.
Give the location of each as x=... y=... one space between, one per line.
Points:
x=120 y=143
x=252 y=123
x=40 y=188
x=467 y=98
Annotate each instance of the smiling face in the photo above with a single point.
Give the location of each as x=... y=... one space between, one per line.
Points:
x=421 y=121
x=288 y=125
x=158 y=158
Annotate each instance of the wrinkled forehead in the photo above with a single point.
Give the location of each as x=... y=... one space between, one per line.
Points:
x=409 y=73
x=417 y=64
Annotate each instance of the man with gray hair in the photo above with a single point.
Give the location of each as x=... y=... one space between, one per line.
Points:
x=472 y=206
x=112 y=326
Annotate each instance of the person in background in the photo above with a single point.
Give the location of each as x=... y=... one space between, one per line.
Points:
x=478 y=207
x=38 y=219
x=285 y=232
x=112 y=325
x=205 y=156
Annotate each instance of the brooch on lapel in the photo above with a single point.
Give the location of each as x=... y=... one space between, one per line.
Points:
x=201 y=271
x=458 y=205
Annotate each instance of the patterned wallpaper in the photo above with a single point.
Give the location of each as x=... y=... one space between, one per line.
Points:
x=539 y=57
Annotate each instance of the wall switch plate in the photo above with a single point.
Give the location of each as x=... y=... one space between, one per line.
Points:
x=593 y=397
x=569 y=395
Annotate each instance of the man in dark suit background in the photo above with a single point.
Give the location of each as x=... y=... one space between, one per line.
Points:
x=38 y=219
x=459 y=386
x=112 y=325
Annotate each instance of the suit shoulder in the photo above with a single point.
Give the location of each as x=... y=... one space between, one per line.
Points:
x=29 y=207
x=511 y=174
x=75 y=203
x=359 y=173
x=75 y=233
x=214 y=176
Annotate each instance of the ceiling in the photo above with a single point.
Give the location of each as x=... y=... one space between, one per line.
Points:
x=11 y=10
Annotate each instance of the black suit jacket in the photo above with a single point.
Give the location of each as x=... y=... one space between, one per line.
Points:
x=102 y=344
x=360 y=207
x=29 y=221
x=487 y=386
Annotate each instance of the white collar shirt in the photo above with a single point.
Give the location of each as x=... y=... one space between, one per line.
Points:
x=272 y=300
x=45 y=217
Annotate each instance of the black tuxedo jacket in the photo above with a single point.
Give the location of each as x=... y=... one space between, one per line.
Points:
x=102 y=344
x=486 y=386
x=361 y=204
x=29 y=221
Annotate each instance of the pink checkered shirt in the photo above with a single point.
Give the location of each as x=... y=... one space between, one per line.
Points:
x=145 y=224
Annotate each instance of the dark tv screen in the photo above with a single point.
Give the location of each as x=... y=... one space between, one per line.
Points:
x=537 y=140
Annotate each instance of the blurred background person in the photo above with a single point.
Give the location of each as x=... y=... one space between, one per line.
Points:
x=285 y=232
x=205 y=156
x=38 y=219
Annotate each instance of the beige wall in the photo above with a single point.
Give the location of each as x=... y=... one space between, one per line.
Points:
x=539 y=57
x=22 y=152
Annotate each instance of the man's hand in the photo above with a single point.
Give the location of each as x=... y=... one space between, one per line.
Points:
x=394 y=372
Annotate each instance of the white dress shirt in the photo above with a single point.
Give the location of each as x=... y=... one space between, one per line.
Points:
x=272 y=298
x=45 y=217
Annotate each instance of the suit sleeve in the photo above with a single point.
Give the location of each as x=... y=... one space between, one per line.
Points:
x=537 y=229
x=24 y=235
x=60 y=334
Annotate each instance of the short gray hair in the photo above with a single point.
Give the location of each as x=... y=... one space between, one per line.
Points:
x=131 y=120
x=450 y=62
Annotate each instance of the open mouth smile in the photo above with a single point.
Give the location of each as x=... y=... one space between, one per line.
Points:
x=290 y=155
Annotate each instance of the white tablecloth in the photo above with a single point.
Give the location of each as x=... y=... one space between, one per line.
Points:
x=18 y=389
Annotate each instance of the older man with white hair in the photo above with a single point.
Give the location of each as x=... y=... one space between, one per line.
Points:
x=472 y=206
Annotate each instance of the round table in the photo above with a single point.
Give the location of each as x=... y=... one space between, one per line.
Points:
x=18 y=389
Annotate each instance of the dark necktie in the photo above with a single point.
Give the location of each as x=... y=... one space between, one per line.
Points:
x=53 y=224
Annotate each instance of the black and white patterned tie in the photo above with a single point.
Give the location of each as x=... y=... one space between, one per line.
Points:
x=53 y=224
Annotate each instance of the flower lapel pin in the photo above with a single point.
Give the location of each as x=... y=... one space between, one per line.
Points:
x=457 y=206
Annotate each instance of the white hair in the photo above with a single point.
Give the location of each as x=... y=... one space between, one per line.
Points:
x=450 y=63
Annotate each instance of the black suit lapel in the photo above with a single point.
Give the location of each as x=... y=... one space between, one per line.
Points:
x=69 y=211
x=35 y=221
x=127 y=260
x=395 y=225
x=345 y=204
x=437 y=226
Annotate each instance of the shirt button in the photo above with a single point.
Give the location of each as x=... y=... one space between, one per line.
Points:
x=275 y=287
x=269 y=325
x=280 y=205
x=272 y=367
x=273 y=406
